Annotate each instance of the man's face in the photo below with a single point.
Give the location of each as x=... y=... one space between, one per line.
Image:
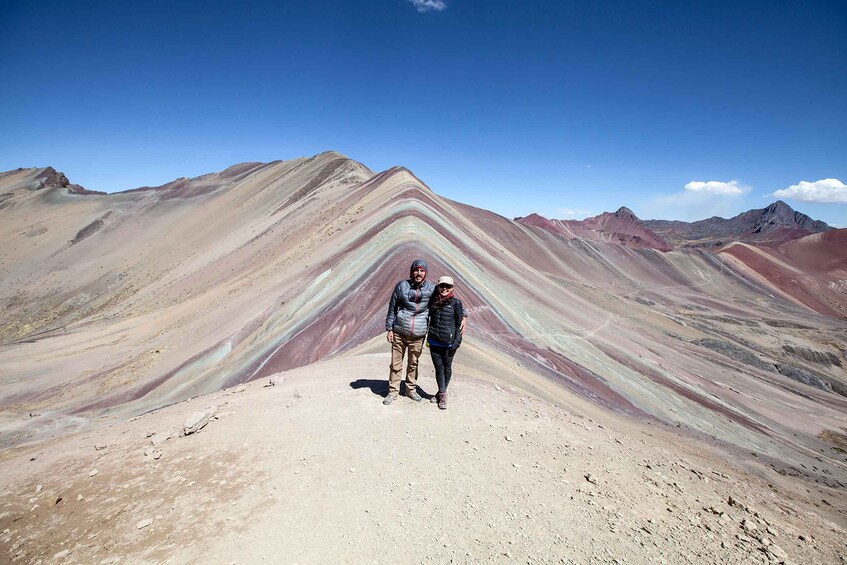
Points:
x=418 y=274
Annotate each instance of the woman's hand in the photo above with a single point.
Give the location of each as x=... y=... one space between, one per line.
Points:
x=390 y=336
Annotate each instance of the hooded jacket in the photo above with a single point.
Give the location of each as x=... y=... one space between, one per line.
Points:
x=408 y=306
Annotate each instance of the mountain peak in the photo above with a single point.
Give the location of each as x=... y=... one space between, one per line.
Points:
x=780 y=214
x=624 y=212
x=779 y=208
x=51 y=178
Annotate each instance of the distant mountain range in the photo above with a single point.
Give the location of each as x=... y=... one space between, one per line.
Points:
x=774 y=225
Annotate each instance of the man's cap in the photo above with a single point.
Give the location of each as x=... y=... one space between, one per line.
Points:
x=446 y=280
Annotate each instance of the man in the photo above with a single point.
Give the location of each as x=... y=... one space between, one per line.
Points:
x=406 y=327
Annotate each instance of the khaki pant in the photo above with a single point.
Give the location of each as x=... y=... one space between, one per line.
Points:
x=398 y=347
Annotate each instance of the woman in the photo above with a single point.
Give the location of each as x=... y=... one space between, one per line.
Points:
x=446 y=324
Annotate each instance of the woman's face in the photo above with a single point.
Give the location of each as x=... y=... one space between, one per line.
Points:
x=444 y=289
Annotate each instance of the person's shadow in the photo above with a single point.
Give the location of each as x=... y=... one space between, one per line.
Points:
x=380 y=387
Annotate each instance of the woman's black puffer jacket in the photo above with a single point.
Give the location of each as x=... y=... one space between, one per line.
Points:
x=444 y=322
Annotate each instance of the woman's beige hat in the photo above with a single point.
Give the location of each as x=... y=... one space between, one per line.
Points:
x=446 y=280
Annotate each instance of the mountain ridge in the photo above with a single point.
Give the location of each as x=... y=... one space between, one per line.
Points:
x=119 y=304
x=775 y=224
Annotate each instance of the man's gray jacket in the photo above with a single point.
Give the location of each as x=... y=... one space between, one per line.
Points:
x=407 y=309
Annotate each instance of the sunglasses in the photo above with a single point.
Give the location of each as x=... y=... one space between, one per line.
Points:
x=445 y=286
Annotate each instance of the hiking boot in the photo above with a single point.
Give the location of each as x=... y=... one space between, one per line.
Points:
x=415 y=396
x=434 y=397
x=442 y=401
x=389 y=399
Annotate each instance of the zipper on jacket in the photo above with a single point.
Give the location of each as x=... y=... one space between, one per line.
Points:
x=417 y=303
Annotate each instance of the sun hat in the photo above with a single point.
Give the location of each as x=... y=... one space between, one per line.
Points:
x=445 y=280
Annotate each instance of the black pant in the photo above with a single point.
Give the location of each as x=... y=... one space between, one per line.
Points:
x=442 y=358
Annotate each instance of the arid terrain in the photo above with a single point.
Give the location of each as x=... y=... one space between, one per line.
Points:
x=622 y=394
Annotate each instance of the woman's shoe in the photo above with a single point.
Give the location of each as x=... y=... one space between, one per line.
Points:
x=442 y=400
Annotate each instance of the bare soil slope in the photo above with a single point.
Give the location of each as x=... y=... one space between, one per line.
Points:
x=315 y=469
x=811 y=271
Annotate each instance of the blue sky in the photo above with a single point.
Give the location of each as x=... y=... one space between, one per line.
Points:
x=567 y=109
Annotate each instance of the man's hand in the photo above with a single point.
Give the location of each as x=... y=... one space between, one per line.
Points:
x=462 y=326
x=390 y=336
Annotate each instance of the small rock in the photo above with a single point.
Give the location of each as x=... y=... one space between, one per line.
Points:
x=776 y=552
x=79 y=498
x=591 y=479
x=242 y=388
x=99 y=446
x=148 y=452
x=157 y=454
x=158 y=439
x=733 y=502
x=143 y=523
x=92 y=472
x=749 y=526
x=508 y=438
x=62 y=554
x=198 y=420
x=39 y=488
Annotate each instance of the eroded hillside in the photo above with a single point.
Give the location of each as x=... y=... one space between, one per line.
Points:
x=115 y=305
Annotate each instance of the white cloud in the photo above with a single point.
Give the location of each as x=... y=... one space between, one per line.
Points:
x=571 y=213
x=429 y=5
x=824 y=190
x=700 y=199
x=716 y=187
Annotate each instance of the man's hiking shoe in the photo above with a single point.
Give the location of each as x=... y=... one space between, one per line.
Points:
x=434 y=397
x=415 y=396
x=442 y=401
x=389 y=399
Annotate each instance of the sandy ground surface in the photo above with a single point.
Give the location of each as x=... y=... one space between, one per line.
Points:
x=314 y=469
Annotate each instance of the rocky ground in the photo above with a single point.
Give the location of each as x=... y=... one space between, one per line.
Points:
x=314 y=469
